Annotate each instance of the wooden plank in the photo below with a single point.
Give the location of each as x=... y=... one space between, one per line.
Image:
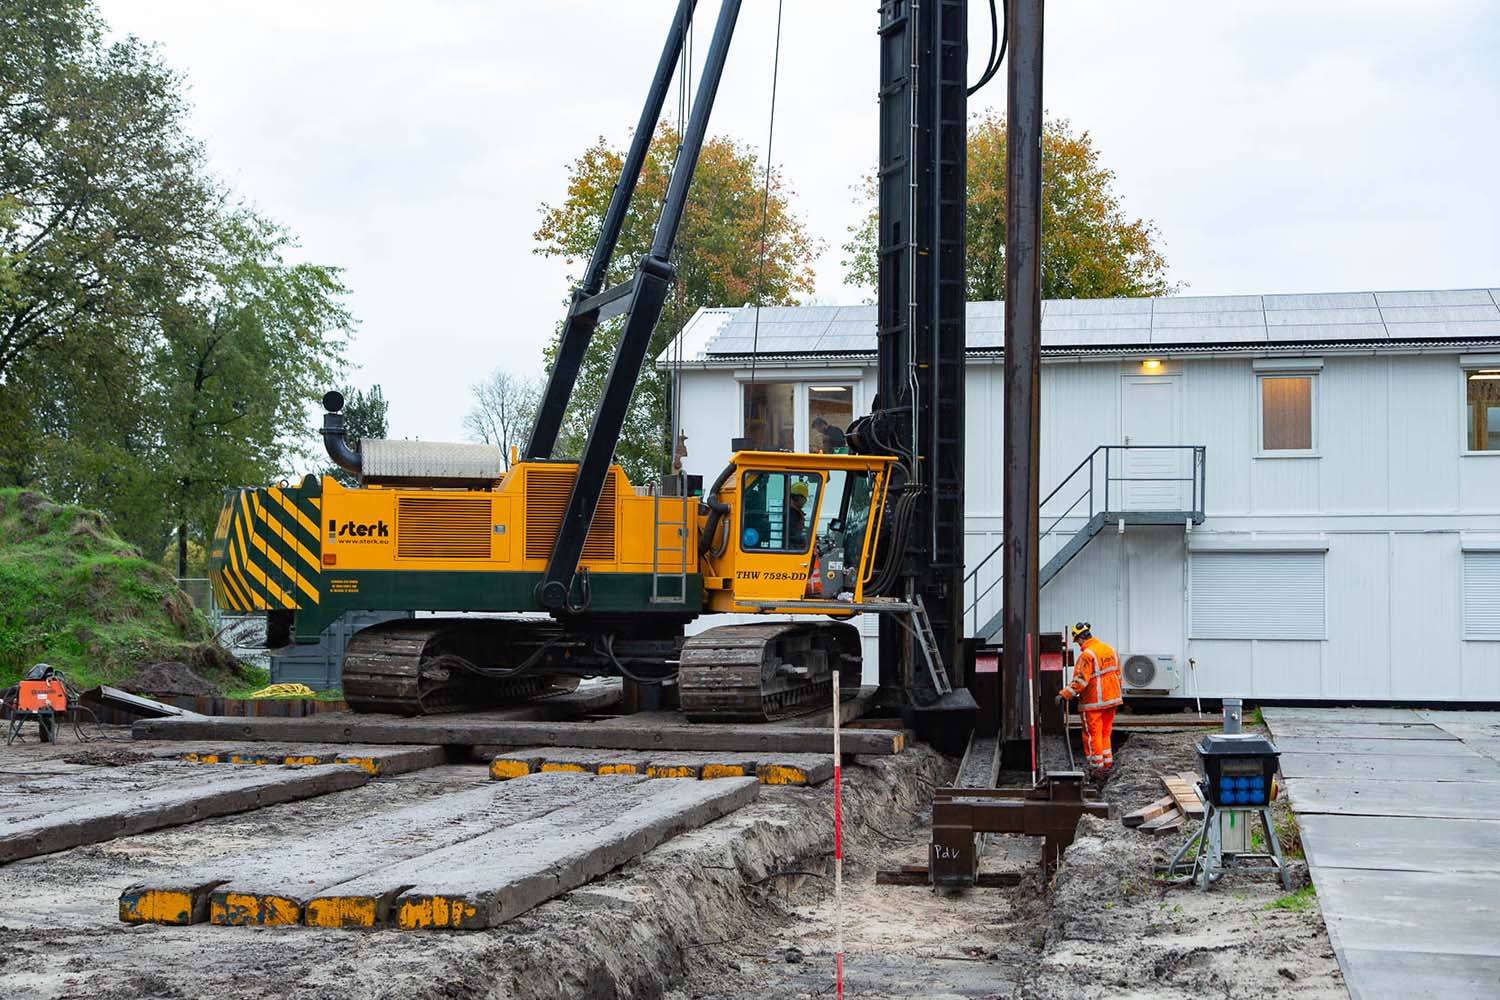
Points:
x=1144 y=813
x=108 y=814
x=472 y=730
x=1181 y=788
x=486 y=880
x=270 y=885
x=769 y=769
x=1168 y=822
x=375 y=760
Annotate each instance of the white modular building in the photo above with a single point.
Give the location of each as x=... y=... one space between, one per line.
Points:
x=1268 y=496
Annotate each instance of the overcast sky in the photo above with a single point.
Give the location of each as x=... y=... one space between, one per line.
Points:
x=1280 y=145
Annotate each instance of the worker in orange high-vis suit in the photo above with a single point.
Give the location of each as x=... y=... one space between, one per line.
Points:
x=1096 y=682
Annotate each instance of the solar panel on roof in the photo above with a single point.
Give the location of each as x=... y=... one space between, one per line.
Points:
x=1318 y=300
x=1208 y=304
x=1304 y=317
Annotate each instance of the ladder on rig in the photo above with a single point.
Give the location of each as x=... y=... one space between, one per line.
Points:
x=669 y=560
x=921 y=626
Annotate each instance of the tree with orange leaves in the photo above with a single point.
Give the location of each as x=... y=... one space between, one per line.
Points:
x=719 y=263
x=1091 y=248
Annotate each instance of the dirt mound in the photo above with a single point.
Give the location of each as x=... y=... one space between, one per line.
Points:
x=168 y=677
x=76 y=595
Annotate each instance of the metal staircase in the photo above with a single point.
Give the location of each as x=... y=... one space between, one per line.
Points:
x=1114 y=486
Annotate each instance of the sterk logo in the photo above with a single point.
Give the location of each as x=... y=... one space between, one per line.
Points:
x=350 y=529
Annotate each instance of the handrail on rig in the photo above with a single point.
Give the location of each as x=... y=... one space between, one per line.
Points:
x=1194 y=510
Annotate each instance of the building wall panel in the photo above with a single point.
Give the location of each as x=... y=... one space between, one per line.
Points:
x=1286 y=669
x=1424 y=454
x=1480 y=666
x=1354 y=435
x=1217 y=410
x=1358 y=571
x=1424 y=615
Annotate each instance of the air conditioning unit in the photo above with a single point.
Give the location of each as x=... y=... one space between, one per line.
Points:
x=1150 y=673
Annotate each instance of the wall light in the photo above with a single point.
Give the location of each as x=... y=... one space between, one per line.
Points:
x=829 y=388
x=1151 y=364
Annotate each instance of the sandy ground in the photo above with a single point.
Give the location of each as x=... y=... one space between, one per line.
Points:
x=1104 y=928
x=739 y=909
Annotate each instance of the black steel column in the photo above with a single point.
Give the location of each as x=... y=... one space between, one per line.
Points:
x=578 y=329
x=921 y=314
x=1023 y=327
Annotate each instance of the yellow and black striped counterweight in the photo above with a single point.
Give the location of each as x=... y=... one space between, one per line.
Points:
x=266 y=550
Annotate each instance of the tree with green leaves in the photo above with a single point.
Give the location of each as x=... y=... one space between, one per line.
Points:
x=719 y=263
x=156 y=345
x=237 y=363
x=108 y=206
x=1090 y=247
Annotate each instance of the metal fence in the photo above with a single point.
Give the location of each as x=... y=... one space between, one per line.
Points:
x=201 y=592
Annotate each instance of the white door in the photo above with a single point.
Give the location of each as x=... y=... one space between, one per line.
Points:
x=1150 y=414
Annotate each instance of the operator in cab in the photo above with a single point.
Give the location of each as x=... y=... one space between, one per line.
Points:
x=1096 y=680
x=797 y=516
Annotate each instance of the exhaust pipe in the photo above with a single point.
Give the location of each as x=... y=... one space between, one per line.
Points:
x=334 y=441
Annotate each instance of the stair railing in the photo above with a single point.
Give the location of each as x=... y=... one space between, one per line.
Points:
x=1098 y=460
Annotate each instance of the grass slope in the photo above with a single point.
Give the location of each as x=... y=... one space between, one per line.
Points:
x=75 y=595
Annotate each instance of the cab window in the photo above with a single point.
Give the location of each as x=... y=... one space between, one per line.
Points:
x=777 y=510
x=845 y=514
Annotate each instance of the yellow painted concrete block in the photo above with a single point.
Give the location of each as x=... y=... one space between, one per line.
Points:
x=711 y=771
x=618 y=769
x=238 y=909
x=669 y=771
x=560 y=766
x=341 y=911
x=157 y=906
x=434 y=911
x=503 y=770
x=370 y=765
x=781 y=774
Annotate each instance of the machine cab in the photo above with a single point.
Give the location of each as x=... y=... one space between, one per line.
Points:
x=799 y=529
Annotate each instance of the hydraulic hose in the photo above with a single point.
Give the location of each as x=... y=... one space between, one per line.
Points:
x=717 y=509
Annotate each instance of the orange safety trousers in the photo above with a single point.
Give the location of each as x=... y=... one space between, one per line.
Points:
x=1098 y=729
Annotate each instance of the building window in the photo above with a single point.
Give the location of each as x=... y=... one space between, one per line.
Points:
x=830 y=409
x=777 y=510
x=1286 y=413
x=1482 y=595
x=1257 y=595
x=771 y=416
x=1482 y=396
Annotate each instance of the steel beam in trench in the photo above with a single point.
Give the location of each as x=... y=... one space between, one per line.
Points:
x=1051 y=811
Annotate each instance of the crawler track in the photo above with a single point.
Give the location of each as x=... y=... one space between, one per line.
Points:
x=420 y=668
x=756 y=673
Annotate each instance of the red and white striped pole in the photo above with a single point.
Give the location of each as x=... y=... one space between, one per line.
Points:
x=838 y=851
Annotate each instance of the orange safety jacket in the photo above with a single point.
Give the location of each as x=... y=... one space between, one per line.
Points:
x=1096 y=677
